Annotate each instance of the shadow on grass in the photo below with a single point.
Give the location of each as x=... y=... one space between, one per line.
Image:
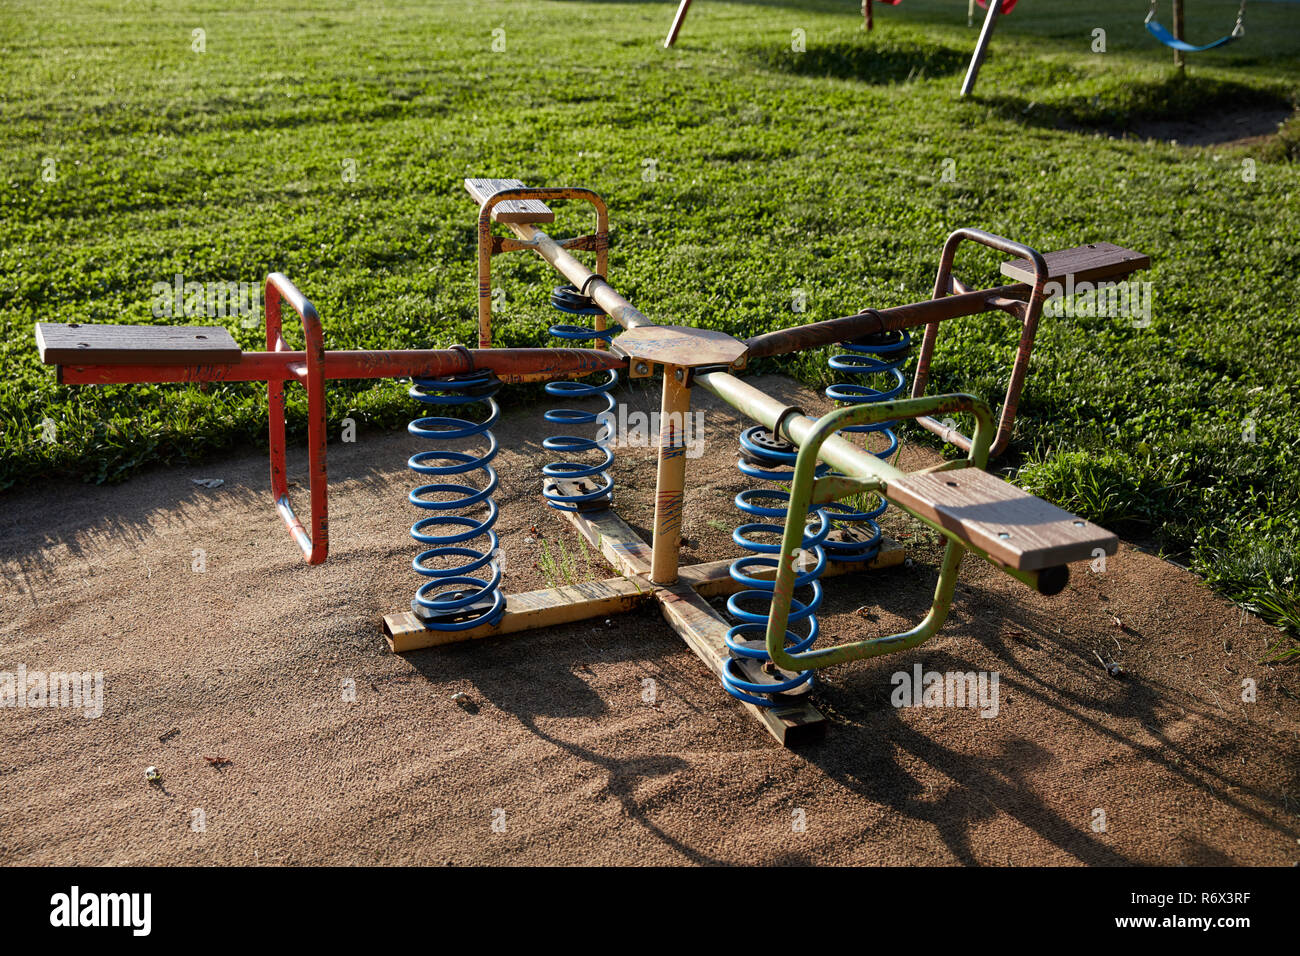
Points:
x=870 y=61
x=1196 y=111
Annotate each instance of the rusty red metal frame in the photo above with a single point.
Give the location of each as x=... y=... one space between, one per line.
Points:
x=952 y=299
x=1028 y=312
x=510 y=365
x=312 y=373
x=313 y=366
x=964 y=302
x=314 y=545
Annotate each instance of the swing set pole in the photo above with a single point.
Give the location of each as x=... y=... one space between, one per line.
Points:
x=678 y=20
x=1180 y=58
x=981 y=47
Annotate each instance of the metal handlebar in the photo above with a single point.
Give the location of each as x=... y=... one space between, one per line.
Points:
x=314 y=546
x=1029 y=312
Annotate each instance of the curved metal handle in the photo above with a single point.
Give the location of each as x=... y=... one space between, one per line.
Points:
x=1029 y=313
x=314 y=546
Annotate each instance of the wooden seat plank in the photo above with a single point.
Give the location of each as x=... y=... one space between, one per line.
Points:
x=80 y=343
x=1011 y=525
x=1090 y=263
x=512 y=210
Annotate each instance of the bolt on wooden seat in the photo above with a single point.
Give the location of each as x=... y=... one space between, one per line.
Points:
x=1012 y=526
x=78 y=343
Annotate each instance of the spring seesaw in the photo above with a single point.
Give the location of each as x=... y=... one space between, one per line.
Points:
x=819 y=487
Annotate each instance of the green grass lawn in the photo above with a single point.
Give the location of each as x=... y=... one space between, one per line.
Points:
x=775 y=171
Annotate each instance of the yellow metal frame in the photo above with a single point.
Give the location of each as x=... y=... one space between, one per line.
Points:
x=536 y=240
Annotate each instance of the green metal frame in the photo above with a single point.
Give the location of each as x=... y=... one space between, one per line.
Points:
x=808 y=489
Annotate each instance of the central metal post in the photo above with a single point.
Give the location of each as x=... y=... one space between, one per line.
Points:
x=671 y=480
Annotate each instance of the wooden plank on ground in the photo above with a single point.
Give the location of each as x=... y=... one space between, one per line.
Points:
x=512 y=210
x=713 y=578
x=1011 y=525
x=703 y=631
x=82 y=343
x=620 y=545
x=1090 y=263
x=528 y=611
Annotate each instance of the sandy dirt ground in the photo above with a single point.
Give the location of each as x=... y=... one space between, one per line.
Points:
x=555 y=756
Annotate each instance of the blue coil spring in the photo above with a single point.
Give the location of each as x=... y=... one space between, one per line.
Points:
x=595 y=478
x=766 y=458
x=455 y=598
x=882 y=354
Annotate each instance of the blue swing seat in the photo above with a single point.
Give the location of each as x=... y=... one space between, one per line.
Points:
x=1157 y=30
